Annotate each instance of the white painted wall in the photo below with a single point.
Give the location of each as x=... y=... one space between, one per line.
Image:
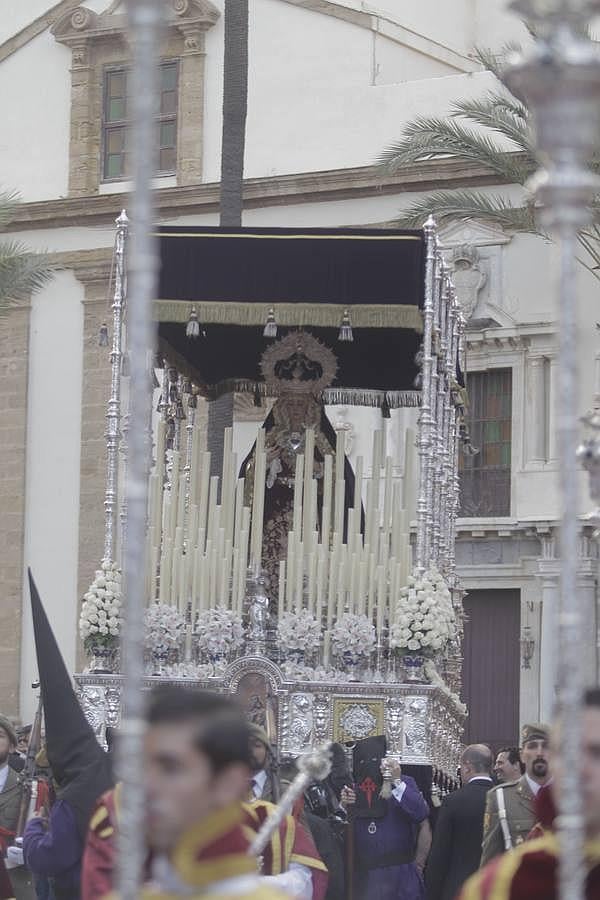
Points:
x=52 y=469
x=34 y=140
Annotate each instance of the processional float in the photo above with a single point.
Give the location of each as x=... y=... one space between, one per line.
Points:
x=289 y=578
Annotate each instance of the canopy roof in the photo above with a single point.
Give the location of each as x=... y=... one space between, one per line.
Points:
x=231 y=277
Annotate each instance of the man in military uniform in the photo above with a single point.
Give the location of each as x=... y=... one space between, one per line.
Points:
x=509 y=812
x=530 y=871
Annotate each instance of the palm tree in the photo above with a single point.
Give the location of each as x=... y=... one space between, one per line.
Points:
x=22 y=272
x=235 y=106
x=494 y=131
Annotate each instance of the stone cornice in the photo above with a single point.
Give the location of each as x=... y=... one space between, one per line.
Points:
x=308 y=187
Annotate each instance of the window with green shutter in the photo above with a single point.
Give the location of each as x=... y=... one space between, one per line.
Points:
x=485 y=477
x=116 y=123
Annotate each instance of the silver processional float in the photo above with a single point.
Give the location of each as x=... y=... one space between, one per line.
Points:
x=199 y=583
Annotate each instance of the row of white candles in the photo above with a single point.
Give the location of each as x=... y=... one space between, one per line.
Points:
x=201 y=542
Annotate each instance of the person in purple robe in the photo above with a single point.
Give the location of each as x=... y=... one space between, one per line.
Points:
x=53 y=843
x=52 y=848
x=387 y=812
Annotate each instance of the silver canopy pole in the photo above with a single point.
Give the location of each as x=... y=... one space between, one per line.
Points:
x=559 y=80
x=144 y=19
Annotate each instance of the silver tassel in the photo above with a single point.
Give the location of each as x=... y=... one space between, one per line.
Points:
x=345 y=332
x=192 y=329
x=270 y=329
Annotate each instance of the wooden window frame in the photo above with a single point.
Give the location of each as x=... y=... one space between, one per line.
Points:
x=160 y=119
x=498 y=510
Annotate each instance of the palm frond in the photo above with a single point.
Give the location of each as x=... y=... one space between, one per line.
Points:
x=8 y=201
x=460 y=205
x=491 y=113
x=435 y=138
x=22 y=273
x=495 y=61
x=589 y=238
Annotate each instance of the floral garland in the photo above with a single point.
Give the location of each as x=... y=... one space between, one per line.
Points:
x=100 y=618
x=218 y=631
x=425 y=620
x=352 y=637
x=164 y=628
x=297 y=631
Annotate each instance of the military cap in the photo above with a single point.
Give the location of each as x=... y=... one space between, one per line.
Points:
x=7 y=726
x=537 y=731
x=258 y=732
x=23 y=730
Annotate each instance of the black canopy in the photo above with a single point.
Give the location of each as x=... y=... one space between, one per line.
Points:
x=231 y=277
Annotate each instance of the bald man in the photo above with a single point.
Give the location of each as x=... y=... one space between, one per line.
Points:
x=456 y=848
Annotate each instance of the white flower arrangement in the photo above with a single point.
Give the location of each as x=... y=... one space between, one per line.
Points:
x=218 y=631
x=352 y=637
x=100 y=617
x=425 y=620
x=298 y=631
x=164 y=628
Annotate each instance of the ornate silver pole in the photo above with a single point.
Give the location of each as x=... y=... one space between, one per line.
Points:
x=144 y=20
x=425 y=418
x=560 y=80
x=113 y=410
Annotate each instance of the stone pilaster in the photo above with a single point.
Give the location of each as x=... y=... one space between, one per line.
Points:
x=14 y=363
x=190 y=129
x=95 y=395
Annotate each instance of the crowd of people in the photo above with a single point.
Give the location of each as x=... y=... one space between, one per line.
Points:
x=368 y=831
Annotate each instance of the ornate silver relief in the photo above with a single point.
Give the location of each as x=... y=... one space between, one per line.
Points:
x=358 y=721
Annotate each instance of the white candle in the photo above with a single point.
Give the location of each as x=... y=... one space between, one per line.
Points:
x=321 y=568
x=239 y=507
x=410 y=479
x=204 y=494
x=339 y=483
x=291 y=584
x=299 y=592
x=340 y=590
x=309 y=458
x=258 y=499
x=298 y=487
x=333 y=556
x=281 y=591
x=312 y=578
x=327 y=500
x=380 y=600
x=362 y=585
x=388 y=494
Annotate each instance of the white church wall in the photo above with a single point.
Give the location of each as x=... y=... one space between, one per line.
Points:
x=52 y=469
x=35 y=86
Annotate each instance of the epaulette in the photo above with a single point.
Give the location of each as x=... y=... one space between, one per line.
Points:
x=505 y=784
x=100 y=823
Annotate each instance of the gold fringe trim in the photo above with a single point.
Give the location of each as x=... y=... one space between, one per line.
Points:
x=287 y=315
x=299 y=236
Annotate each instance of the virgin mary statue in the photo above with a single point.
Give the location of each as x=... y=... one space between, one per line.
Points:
x=296 y=370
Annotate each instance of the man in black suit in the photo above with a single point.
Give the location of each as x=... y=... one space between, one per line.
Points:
x=456 y=848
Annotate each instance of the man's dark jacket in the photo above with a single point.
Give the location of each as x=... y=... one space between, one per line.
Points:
x=456 y=848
